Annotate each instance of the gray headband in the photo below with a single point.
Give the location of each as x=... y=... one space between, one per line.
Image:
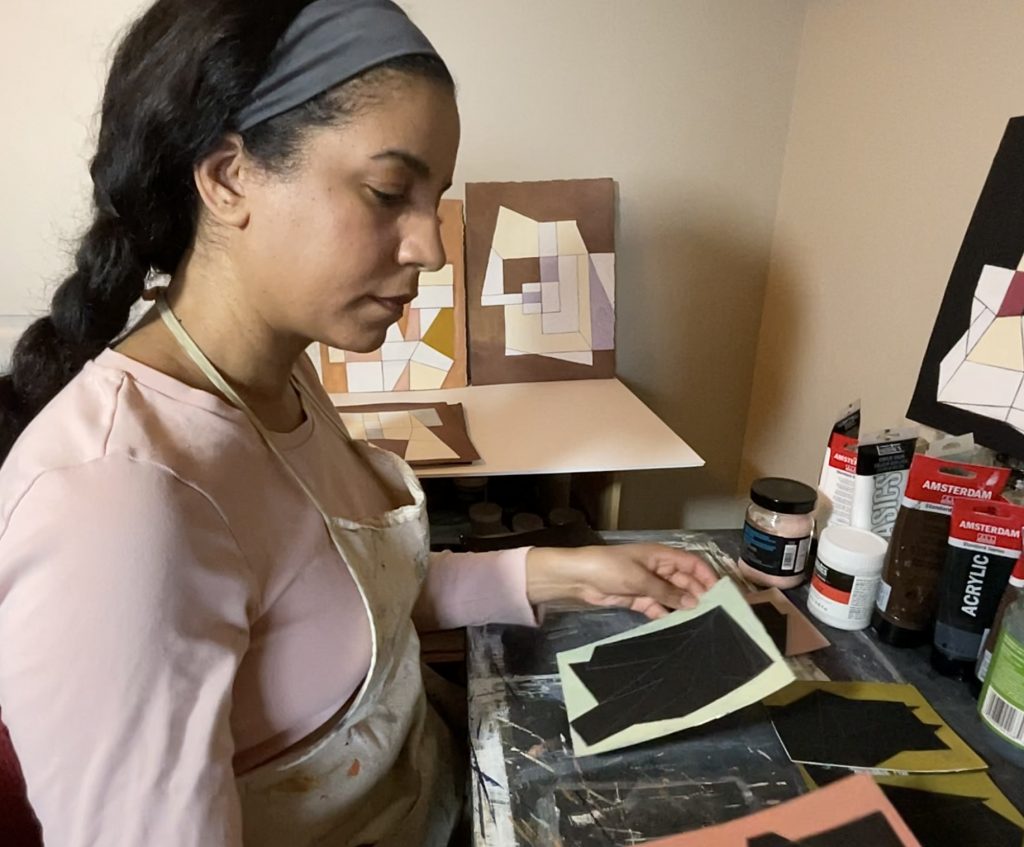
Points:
x=329 y=42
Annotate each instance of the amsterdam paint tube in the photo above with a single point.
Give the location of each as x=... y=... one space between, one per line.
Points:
x=984 y=545
x=910 y=579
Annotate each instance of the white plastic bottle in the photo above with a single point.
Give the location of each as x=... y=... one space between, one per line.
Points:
x=847 y=574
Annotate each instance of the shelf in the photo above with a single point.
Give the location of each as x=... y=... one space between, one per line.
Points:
x=577 y=426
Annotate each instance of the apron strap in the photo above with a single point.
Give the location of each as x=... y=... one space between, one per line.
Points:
x=211 y=373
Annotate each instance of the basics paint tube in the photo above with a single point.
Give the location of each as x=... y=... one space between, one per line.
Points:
x=984 y=544
x=1014 y=588
x=838 y=469
x=883 y=467
x=908 y=594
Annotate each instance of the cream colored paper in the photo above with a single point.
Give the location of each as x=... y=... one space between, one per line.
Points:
x=725 y=594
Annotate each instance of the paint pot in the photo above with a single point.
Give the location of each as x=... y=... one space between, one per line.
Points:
x=1002 y=700
x=527 y=522
x=777 y=532
x=847 y=573
x=485 y=519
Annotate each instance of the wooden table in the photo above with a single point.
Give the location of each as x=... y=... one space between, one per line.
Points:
x=570 y=427
x=529 y=790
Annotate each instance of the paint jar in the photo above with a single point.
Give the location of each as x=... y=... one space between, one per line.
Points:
x=485 y=519
x=847 y=573
x=1002 y=700
x=777 y=532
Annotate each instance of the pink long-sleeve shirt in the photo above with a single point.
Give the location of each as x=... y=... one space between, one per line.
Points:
x=172 y=610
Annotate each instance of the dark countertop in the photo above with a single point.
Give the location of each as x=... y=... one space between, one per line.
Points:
x=530 y=791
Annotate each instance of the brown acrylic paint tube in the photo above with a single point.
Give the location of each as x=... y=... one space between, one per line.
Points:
x=909 y=590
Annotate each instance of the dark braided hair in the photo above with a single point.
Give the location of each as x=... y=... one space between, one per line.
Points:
x=178 y=78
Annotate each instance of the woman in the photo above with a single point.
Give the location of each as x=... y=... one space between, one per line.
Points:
x=209 y=595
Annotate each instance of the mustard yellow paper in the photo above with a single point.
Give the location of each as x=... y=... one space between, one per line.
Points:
x=958 y=757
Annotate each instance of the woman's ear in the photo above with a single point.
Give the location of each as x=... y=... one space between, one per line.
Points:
x=221 y=181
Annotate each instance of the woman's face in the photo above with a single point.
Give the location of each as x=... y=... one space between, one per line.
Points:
x=332 y=251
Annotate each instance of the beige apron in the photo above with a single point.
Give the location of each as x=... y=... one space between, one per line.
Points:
x=384 y=772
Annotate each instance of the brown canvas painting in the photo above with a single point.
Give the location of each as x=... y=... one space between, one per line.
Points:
x=427 y=348
x=540 y=277
x=421 y=433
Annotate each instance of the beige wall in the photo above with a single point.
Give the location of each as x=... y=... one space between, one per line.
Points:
x=53 y=59
x=899 y=107
x=686 y=103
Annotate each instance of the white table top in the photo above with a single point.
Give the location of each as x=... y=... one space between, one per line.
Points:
x=552 y=427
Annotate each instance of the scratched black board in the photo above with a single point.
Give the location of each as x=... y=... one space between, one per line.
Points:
x=706 y=775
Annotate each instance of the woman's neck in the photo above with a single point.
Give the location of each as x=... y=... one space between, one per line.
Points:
x=256 y=361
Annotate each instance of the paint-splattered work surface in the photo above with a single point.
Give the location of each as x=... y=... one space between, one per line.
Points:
x=528 y=787
x=530 y=791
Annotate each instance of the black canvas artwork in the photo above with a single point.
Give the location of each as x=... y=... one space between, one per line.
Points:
x=939 y=820
x=826 y=728
x=972 y=376
x=775 y=623
x=666 y=674
x=869 y=831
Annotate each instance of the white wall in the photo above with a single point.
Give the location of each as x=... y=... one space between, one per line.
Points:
x=53 y=60
x=686 y=104
x=899 y=108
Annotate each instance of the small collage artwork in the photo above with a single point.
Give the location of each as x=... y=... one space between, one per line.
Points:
x=526 y=294
x=421 y=433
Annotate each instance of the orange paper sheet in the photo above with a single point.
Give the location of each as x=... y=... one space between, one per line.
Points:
x=826 y=810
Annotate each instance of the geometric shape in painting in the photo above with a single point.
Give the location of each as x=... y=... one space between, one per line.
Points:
x=993 y=286
x=515 y=236
x=603 y=265
x=441 y=294
x=1013 y=301
x=392 y=373
x=1000 y=345
x=445 y=277
x=421 y=433
x=971 y=371
x=441 y=333
x=427 y=447
x=982 y=385
x=540 y=280
x=424 y=378
x=365 y=376
x=427 y=417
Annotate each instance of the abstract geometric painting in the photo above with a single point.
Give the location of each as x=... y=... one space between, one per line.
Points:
x=427 y=347
x=421 y=433
x=540 y=271
x=972 y=377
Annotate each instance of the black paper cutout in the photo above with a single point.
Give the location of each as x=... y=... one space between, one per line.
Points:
x=995 y=236
x=666 y=674
x=869 y=831
x=776 y=623
x=826 y=728
x=940 y=820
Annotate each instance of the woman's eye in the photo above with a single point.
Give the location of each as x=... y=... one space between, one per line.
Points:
x=387 y=198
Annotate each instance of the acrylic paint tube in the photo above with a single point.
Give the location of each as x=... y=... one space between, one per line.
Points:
x=883 y=466
x=838 y=469
x=908 y=593
x=1014 y=589
x=984 y=545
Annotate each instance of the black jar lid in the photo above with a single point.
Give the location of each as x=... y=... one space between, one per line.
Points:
x=783 y=495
